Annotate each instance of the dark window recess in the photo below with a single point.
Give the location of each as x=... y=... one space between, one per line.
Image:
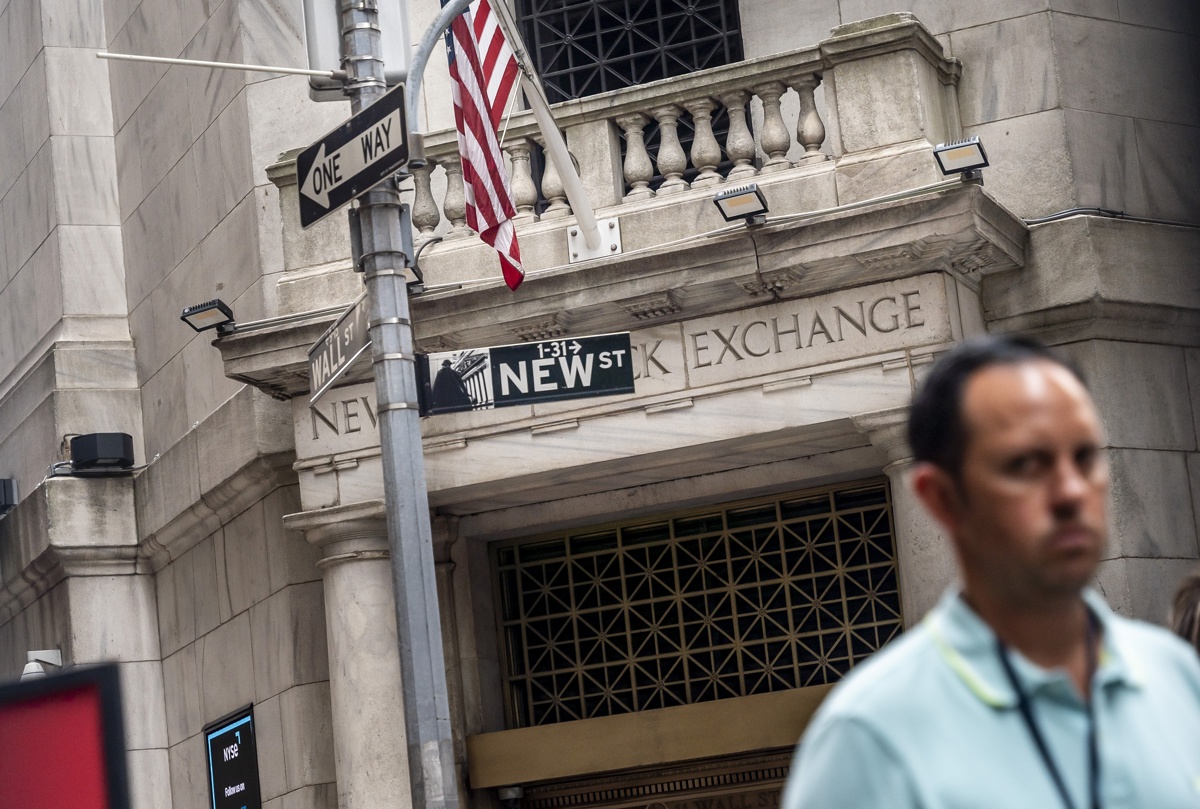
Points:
x=727 y=602
x=585 y=47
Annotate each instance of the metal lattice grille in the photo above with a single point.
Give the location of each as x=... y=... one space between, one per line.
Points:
x=745 y=600
x=584 y=47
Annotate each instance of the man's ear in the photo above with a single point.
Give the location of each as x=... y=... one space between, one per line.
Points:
x=940 y=495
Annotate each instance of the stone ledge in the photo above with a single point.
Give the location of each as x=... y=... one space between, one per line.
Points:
x=959 y=230
x=233 y=459
x=66 y=527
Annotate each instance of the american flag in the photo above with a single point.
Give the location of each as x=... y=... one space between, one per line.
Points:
x=483 y=73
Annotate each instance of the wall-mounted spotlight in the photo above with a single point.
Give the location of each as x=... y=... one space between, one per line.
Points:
x=965 y=157
x=214 y=314
x=742 y=202
x=36 y=667
x=8 y=495
x=102 y=452
x=510 y=797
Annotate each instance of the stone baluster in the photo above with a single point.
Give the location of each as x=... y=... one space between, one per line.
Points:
x=552 y=189
x=370 y=753
x=672 y=162
x=810 y=131
x=739 y=143
x=523 y=189
x=924 y=557
x=455 y=204
x=425 y=214
x=638 y=168
x=706 y=152
x=774 y=137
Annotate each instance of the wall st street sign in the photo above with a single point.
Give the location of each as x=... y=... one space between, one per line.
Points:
x=527 y=373
x=352 y=159
x=338 y=348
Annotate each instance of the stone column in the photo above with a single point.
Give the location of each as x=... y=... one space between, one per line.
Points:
x=445 y=535
x=924 y=556
x=370 y=755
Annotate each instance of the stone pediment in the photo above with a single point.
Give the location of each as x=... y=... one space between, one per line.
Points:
x=958 y=230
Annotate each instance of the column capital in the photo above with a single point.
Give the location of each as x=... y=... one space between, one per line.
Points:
x=353 y=529
x=445 y=534
x=887 y=430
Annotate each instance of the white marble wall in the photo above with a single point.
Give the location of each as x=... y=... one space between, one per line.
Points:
x=242 y=620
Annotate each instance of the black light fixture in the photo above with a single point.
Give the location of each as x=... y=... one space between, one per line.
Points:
x=214 y=314
x=102 y=452
x=742 y=202
x=965 y=157
x=8 y=495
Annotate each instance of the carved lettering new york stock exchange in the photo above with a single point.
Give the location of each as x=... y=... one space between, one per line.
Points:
x=798 y=333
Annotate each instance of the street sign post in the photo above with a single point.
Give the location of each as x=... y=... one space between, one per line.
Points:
x=525 y=373
x=352 y=159
x=338 y=348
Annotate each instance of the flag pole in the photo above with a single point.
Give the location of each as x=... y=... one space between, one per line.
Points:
x=556 y=147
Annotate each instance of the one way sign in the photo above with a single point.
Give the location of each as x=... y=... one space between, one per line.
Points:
x=353 y=158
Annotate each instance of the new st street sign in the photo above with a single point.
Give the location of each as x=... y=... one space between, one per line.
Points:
x=526 y=373
x=353 y=158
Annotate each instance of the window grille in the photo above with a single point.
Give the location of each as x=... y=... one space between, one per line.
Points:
x=585 y=47
x=747 y=599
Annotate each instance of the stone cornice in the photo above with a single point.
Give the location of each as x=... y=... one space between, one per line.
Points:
x=1099 y=319
x=67 y=527
x=959 y=230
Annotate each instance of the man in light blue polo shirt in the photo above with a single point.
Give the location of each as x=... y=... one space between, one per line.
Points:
x=1022 y=689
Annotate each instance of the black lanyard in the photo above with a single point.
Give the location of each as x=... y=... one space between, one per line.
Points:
x=1035 y=731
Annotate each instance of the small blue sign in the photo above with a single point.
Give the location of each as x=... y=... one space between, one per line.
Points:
x=233 y=762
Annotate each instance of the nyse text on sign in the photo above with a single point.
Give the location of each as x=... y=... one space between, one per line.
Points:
x=233 y=763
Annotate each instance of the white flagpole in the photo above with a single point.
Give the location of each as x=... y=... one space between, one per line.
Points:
x=556 y=147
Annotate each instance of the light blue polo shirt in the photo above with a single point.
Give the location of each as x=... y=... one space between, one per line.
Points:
x=932 y=721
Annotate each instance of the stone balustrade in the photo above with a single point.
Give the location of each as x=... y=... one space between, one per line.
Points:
x=754 y=142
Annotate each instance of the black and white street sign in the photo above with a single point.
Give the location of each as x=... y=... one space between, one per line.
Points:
x=338 y=348
x=526 y=373
x=353 y=158
x=233 y=762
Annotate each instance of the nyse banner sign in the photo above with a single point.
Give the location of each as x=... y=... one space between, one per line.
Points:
x=233 y=762
x=528 y=373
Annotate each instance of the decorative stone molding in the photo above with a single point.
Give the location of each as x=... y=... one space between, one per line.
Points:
x=888 y=430
x=67 y=527
x=652 y=307
x=772 y=283
x=546 y=328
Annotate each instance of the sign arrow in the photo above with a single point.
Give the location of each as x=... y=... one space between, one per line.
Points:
x=575 y=347
x=329 y=171
x=352 y=159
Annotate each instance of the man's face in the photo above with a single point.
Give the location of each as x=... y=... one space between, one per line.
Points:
x=1032 y=497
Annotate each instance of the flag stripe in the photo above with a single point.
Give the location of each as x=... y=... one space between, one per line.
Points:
x=483 y=74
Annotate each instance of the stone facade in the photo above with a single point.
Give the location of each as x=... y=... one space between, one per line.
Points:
x=247 y=562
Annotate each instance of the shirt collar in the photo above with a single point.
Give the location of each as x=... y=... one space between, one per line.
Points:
x=968 y=646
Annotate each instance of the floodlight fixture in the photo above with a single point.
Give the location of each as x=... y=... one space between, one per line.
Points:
x=8 y=495
x=214 y=314
x=102 y=452
x=742 y=202
x=35 y=668
x=965 y=157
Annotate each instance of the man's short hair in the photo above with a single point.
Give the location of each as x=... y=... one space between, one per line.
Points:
x=937 y=432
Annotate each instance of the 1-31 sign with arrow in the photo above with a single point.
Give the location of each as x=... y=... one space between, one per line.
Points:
x=353 y=158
